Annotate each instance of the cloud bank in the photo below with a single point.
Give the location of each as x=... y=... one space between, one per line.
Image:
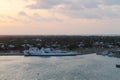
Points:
x=81 y=8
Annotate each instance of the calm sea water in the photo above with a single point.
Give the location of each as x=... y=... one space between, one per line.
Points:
x=85 y=67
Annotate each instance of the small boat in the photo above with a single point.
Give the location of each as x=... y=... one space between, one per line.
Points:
x=47 y=52
x=117 y=65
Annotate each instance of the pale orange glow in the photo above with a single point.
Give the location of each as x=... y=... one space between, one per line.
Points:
x=17 y=18
x=9 y=7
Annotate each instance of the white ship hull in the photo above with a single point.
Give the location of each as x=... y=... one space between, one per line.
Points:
x=52 y=54
x=36 y=52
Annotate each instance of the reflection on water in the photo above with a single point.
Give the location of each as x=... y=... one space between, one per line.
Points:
x=85 y=67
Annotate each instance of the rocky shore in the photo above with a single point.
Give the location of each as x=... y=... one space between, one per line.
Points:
x=110 y=53
x=84 y=51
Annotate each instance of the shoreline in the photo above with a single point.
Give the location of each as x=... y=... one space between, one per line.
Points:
x=82 y=51
x=11 y=54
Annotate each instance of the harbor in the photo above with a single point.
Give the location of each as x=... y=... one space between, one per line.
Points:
x=81 y=67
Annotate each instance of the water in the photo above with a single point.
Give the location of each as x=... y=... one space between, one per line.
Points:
x=85 y=67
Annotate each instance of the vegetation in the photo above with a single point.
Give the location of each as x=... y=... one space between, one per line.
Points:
x=62 y=42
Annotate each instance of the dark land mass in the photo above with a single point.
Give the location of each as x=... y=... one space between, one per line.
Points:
x=14 y=45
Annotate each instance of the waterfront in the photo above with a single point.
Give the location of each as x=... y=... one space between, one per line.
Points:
x=82 y=67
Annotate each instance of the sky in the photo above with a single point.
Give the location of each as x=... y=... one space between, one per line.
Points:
x=59 y=17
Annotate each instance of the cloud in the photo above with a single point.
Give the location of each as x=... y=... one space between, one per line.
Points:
x=40 y=4
x=22 y=13
x=80 y=8
x=111 y=2
x=47 y=4
x=38 y=18
x=95 y=13
x=13 y=18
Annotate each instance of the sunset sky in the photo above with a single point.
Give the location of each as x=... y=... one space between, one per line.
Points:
x=59 y=17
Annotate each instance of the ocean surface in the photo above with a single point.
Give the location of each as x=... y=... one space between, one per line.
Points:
x=82 y=67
